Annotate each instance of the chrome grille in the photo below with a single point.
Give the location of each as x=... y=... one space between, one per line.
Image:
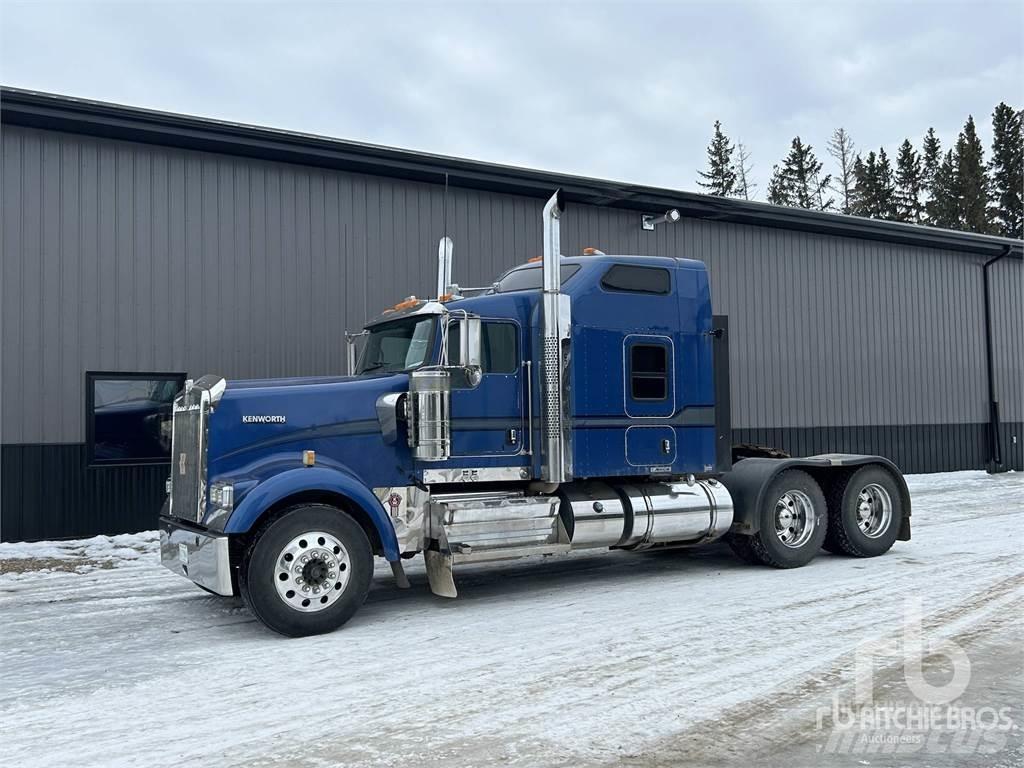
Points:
x=188 y=457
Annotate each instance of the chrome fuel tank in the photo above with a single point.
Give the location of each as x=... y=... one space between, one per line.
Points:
x=678 y=513
x=595 y=513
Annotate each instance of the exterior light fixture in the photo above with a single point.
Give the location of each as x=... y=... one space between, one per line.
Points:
x=649 y=222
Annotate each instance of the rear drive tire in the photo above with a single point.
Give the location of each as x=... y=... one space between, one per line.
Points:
x=865 y=513
x=307 y=572
x=793 y=521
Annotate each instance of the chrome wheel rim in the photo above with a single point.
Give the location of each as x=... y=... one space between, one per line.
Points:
x=794 y=519
x=874 y=510
x=311 y=571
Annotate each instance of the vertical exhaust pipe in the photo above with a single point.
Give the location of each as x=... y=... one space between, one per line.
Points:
x=556 y=452
x=444 y=265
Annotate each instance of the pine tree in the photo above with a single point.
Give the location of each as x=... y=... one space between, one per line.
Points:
x=972 y=185
x=885 y=188
x=944 y=205
x=720 y=178
x=909 y=184
x=1007 y=170
x=843 y=151
x=801 y=182
x=743 y=167
x=861 y=193
x=931 y=157
x=778 y=192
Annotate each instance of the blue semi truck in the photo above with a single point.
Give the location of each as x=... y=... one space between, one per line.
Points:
x=578 y=402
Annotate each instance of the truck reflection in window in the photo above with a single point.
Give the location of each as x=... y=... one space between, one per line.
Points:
x=648 y=371
x=128 y=416
x=397 y=346
x=629 y=279
x=500 y=350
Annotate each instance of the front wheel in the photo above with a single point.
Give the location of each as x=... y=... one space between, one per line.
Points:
x=308 y=571
x=792 y=521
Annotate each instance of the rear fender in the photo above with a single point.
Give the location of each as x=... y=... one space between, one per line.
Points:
x=314 y=479
x=748 y=479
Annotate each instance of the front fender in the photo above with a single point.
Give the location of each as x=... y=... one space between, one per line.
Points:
x=297 y=480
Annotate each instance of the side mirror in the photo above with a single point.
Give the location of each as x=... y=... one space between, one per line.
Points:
x=470 y=351
x=351 y=351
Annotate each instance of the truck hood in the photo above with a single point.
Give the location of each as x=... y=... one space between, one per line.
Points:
x=272 y=414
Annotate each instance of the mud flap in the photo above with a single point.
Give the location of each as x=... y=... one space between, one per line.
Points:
x=399 y=572
x=439 y=573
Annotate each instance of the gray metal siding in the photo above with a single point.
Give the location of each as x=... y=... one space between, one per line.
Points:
x=123 y=256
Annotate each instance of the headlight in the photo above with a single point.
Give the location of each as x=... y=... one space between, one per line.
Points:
x=222 y=496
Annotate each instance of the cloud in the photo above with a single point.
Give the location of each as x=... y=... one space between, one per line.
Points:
x=625 y=91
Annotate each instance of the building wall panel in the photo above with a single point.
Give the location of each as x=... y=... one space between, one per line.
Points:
x=125 y=256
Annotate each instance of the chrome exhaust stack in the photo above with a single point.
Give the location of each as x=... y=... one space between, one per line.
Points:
x=556 y=453
x=444 y=266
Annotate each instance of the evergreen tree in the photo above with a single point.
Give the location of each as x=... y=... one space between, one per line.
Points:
x=744 y=186
x=885 y=188
x=931 y=157
x=800 y=181
x=861 y=192
x=972 y=185
x=778 y=192
x=944 y=205
x=909 y=184
x=874 y=187
x=720 y=177
x=843 y=151
x=1007 y=170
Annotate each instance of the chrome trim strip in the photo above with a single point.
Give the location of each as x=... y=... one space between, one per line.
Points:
x=475 y=474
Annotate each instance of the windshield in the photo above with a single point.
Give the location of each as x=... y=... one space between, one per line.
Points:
x=398 y=346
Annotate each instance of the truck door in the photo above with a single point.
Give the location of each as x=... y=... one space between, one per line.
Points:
x=488 y=420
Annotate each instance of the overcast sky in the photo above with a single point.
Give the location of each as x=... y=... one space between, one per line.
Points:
x=623 y=91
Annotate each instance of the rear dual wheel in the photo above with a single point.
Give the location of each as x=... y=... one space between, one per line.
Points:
x=793 y=522
x=865 y=513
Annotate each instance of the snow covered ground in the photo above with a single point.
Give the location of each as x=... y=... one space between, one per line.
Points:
x=106 y=659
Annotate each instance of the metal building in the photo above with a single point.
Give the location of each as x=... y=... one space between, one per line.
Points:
x=141 y=247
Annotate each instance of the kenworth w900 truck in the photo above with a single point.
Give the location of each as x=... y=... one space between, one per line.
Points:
x=578 y=402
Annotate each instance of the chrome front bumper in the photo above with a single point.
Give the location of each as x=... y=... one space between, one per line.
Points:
x=196 y=554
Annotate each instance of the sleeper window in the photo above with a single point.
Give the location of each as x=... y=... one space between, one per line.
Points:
x=649 y=371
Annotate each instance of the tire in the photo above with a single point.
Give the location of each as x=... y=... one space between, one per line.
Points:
x=865 y=513
x=792 y=497
x=307 y=571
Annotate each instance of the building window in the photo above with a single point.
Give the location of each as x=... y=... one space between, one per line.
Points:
x=128 y=416
x=630 y=279
x=500 y=346
x=648 y=372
